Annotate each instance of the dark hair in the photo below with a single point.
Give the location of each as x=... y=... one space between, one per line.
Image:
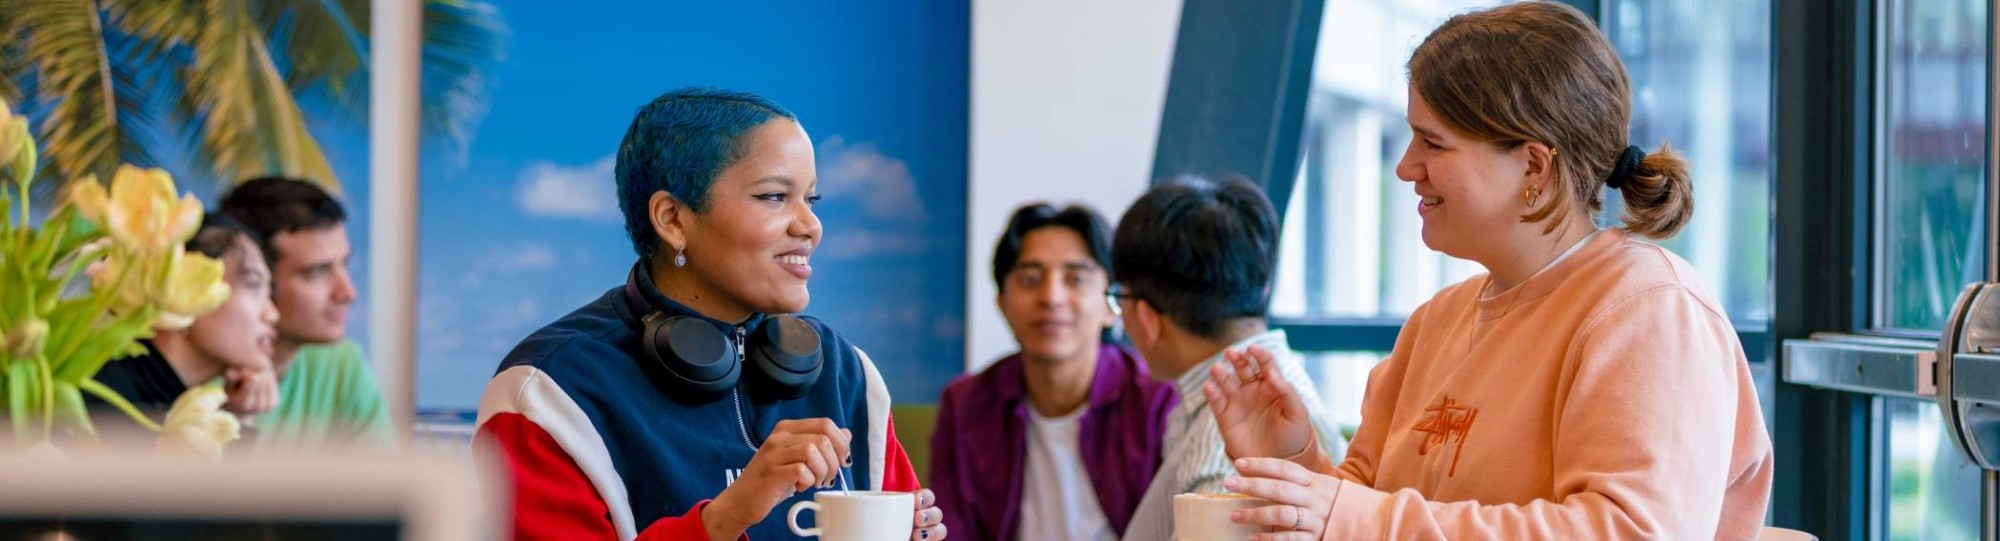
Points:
x=1540 y=71
x=678 y=143
x=1085 y=222
x=268 y=206
x=1200 y=252
x=220 y=237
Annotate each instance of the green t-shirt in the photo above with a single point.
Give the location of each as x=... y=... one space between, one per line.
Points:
x=328 y=398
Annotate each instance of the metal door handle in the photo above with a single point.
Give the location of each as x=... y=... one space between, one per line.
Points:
x=1968 y=376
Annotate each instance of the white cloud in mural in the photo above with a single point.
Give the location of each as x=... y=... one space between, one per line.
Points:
x=586 y=192
x=882 y=183
x=528 y=257
x=476 y=308
x=511 y=263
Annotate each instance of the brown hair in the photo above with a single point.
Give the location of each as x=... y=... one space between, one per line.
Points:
x=1540 y=71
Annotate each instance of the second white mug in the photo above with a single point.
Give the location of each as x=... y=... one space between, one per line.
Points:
x=1205 y=517
x=857 y=515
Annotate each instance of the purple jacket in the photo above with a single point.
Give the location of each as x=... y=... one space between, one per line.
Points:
x=979 y=451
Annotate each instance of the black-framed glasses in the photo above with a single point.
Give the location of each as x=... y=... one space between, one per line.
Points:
x=1113 y=294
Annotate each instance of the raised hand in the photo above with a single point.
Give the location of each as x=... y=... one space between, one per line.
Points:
x=251 y=391
x=1258 y=412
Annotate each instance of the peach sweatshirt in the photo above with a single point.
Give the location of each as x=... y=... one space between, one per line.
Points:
x=1606 y=397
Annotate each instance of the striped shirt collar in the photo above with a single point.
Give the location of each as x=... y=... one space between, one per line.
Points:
x=1189 y=384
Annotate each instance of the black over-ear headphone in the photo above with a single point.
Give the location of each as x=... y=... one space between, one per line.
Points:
x=695 y=361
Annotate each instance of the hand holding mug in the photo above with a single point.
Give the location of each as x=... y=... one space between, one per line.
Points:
x=857 y=515
x=929 y=520
x=798 y=455
x=1300 y=500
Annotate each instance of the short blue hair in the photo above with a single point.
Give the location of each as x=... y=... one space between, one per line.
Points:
x=678 y=143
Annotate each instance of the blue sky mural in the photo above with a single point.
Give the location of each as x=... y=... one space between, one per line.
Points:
x=520 y=226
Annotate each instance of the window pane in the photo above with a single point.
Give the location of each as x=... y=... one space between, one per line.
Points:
x=1351 y=244
x=1933 y=491
x=1701 y=82
x=1933 y=100
x=1700 y=74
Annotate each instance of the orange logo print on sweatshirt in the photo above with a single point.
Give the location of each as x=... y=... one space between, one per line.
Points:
x=1442 y=423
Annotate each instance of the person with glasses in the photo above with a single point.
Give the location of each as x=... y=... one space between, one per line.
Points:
x=1192 y=261
x=1059 y=440
x=1587 y=386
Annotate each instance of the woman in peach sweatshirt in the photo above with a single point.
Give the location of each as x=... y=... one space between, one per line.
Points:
x=1586 y=387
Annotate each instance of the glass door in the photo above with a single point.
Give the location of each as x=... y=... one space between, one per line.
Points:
x=1901 y=392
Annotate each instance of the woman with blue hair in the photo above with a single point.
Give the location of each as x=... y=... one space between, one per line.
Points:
x=686 y=403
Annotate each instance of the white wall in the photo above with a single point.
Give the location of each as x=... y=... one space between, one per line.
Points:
x=1065 y=101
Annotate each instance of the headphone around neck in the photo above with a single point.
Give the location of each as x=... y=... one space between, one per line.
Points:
x=694 y=361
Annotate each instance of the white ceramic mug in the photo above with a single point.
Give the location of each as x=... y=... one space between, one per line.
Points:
x=1205 y=517
x=857 y=515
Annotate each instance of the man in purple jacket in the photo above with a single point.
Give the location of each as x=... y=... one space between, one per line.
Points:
x=1060 y=440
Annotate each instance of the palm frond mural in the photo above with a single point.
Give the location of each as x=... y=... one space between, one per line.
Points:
x=224 y=86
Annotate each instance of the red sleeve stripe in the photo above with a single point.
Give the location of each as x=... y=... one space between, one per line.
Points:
x=525 y=390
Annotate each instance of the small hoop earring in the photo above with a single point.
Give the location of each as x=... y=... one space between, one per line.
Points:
x=680 y=258
x=1531 y=195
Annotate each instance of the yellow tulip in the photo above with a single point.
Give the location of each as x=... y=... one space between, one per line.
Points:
x=197 y=425
x=24 y=150
x=132 y=293
x=192 y=287
x=140 y=211
x=10 y=139
x=182 y=286
x=90 y=199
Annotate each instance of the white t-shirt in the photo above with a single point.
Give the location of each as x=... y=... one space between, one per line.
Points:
x=1057 y=501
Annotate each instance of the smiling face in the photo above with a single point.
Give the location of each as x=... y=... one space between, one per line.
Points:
x=751 y=249
x=1053 y=298
x=240 y=333
x=1470 y=190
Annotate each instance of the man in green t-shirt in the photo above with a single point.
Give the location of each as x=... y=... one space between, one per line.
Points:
x=326 y=395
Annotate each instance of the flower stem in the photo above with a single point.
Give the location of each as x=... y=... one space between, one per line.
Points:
x=111 y=397
x=48 y=382
x=25 y=202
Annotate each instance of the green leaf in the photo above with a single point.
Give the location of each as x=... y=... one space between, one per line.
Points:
x=84 y=339
x=43 y=251
x=71 y=414
x=116 y=341
x=22 y=398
